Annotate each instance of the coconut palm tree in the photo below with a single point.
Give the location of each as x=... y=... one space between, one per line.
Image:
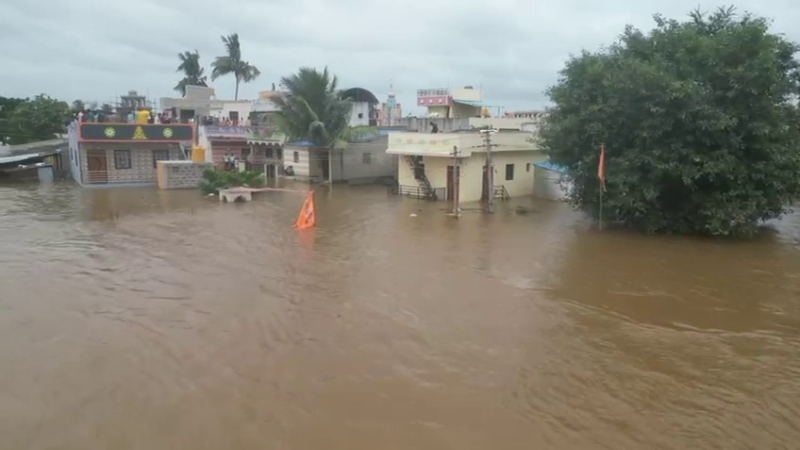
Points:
x=232 y=63
x=192 y=71
x=313 y=108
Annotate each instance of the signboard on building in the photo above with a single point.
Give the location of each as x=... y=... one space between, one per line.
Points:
x=114 y=132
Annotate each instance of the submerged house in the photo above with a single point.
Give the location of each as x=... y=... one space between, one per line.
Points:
x=429 y=168
x=362 y=162
x=122 y=153
x=41 y=160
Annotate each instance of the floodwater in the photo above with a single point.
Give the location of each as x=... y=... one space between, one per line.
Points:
x=143 y=319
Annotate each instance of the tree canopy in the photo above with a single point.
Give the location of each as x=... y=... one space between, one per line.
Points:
x=232 y=63
x=313 y=108
x=7 y=107
x=39 y=119
x=192 y=71
x=699 y=119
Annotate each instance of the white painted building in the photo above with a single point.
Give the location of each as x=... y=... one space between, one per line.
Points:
x=426 y=166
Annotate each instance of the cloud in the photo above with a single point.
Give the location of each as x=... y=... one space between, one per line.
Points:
x=513 y=49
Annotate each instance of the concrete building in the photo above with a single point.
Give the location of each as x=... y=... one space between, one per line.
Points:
x=364 y=162
x=365 y=107
x=451 y=103
x=427 y=169
x=201 y=102
x=115 y=153
x=257 y=146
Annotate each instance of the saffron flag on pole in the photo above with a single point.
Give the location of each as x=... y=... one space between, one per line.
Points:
x=601 y=168
x=308 y=215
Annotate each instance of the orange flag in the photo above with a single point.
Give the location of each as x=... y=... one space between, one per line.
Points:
x=308 y=215
x=601 y=168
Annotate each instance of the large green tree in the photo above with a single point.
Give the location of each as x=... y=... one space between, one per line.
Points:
x=192 y=71
x=699 y=119
x=232 y=63
x=39 y=119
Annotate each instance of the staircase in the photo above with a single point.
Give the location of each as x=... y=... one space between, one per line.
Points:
x=501 y=192
x=425 y=187
x=186 y=150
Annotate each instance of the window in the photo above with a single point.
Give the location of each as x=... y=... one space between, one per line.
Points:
x=509 y=172
x=122 y=159
x=528 y=167
x=296 y=157
x=160 y=155
x=366 y=158
x=360 y=115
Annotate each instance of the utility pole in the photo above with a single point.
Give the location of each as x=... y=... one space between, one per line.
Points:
x=456 y=182
x=487 y=142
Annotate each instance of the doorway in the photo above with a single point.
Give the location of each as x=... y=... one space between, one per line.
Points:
x=323 y=162
x=453 y=174
x=271 y=172
x=97 y=166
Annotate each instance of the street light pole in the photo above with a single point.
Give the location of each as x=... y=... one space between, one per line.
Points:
x=487 y=142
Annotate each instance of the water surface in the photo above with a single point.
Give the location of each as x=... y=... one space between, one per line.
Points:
x=144 y=319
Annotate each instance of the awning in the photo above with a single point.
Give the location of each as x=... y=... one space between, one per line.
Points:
x=25 y=157
x=551 y=166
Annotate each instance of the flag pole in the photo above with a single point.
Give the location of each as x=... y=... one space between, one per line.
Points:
x=601 y=178
x=600 y=216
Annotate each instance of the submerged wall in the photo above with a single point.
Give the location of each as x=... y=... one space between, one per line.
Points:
x=181 y=174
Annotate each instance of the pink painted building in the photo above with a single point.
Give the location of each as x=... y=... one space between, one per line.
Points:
x=451 y=103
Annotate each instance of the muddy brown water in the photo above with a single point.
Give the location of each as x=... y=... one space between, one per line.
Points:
x=142 y=319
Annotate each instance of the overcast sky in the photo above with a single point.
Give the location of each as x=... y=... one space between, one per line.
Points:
x=513 y=49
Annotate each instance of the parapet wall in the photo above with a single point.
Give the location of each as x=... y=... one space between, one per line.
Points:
x=181 y=174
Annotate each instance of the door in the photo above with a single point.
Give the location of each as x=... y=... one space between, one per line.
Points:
x=452 y=182
x=270 y=171
x=97 y=166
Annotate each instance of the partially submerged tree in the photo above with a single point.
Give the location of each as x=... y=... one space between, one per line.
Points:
x=700 y=123
x=192 y=71
x=232 y=63
x=39 y=119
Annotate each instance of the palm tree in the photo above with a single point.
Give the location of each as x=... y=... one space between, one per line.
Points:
x=232 y=63
x=313 y=108
x=192 y=71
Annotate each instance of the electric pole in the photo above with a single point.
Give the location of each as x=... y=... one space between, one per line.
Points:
x=456 y=181
x=487 y=142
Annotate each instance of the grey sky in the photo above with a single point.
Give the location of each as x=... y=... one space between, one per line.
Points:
x=512 y=48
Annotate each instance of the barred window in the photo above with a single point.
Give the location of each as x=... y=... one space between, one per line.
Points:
x=122 y=159
x=160 y=155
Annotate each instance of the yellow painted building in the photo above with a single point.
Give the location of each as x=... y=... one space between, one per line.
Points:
x=426 y=164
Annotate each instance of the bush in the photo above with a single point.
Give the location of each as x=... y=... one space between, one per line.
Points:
x=214 y=180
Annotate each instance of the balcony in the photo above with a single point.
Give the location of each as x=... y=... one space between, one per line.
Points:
x=244 y=133
x=441 y=144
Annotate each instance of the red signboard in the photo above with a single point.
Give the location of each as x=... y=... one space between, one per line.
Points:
x=433 y=100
